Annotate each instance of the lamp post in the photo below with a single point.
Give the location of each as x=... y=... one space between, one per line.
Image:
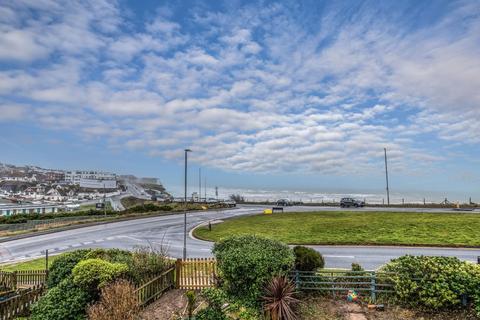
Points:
x=185 y=211
x=386 y=176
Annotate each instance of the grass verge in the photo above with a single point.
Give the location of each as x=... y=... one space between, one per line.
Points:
x=355 y=228
x=35 y=264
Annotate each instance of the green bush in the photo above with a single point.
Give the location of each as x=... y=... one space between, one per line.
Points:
x=110 y=255
x=66 y=301
x=307 y=259
x=247 y=263
x=434 y=282
x=62 y=267
x=215 y=298
x=92 y=274
x=148 y=261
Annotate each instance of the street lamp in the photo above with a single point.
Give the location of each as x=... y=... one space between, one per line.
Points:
x=185 y=211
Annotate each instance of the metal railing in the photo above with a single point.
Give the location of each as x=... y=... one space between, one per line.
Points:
x=340 y=282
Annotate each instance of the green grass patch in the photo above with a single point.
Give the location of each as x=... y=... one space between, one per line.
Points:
x=35 y=264
x=359 y=228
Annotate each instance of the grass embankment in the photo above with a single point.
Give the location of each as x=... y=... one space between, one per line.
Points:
x=35 y=264
x=357 y=228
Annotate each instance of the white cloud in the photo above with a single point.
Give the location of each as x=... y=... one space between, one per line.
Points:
x=257 y=86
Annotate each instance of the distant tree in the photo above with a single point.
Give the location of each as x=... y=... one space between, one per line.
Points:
x=237 y=198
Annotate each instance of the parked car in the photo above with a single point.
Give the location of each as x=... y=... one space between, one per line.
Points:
x=350 y=202
x=230 y=203
x=283 y=203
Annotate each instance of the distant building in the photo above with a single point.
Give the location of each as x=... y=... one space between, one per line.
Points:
x=8 y=210
x=97 y=184
x=74 y=177
x=54 y=176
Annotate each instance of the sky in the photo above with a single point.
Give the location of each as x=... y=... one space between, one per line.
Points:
x=267 y=94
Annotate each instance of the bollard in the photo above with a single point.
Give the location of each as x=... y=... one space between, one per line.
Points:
x=209 y=226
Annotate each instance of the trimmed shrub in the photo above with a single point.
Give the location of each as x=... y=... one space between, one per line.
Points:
x=62 y=267
x=117 y=301
x=93 y=274
x=66 y=301
x=247 y=263
x=433 y=282
x=307 y=259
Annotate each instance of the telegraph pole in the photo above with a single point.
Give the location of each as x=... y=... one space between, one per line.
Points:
x=386 y=176
x=199 y=184
x=205 y=188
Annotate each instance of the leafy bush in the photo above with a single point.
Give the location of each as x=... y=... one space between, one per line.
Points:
x=215 y=298
x=110 y=255
x=62 y=267
x=66 y=301
x=279 y=301
x=191 y=299
x=247 y=263
x=93 y=274
x=148 y=261
x=433 y=282
x=117 y=301
x=307 y=259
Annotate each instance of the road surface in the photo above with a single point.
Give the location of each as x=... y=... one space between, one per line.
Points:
x=168 y=230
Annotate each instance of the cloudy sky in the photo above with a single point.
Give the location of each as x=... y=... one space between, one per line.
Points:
x=300 y=94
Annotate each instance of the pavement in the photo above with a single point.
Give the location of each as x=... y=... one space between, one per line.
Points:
x=168 y=231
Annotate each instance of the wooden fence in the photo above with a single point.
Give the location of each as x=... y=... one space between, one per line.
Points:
x=196 y=273
x=19 y=304
x=7 y=281
x=155 y=287
x=22 y=279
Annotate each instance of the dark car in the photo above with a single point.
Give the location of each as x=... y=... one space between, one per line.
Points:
x=350 y=202
x=283 y=203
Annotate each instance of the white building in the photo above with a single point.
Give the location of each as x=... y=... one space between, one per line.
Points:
x=9 y=210
x=74 y=177
x=97 y=184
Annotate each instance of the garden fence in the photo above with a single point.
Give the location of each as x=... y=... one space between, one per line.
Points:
x=196 y=273
x=340 y=282
x=155 y=287
x=19 y=304
x=22 y=278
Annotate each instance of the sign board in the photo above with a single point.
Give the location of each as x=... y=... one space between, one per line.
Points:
x=100 y=205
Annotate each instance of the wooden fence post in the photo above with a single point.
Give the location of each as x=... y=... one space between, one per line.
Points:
x=14 y=280
x=178 y=267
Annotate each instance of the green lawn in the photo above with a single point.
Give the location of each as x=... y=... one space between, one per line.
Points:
x=35 y=264
x=367 y=228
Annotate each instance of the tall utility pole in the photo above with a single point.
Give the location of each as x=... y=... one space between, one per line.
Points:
x=104 y=204
x=386 y=176
x=185 y=211
x=216 y=192
x=205 y=189
x=199 y=184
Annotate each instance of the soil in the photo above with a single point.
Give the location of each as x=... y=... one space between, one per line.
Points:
x=170 y=306
x=321 y=308
x=173 y=304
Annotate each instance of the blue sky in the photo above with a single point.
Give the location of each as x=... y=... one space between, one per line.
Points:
x=299 y=95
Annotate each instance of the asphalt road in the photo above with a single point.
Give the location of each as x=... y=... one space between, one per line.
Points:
x=168 y=231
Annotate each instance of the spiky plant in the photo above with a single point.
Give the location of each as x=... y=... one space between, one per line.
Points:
x=279 y=300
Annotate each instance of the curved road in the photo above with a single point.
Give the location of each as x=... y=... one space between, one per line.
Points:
x=168 y=230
